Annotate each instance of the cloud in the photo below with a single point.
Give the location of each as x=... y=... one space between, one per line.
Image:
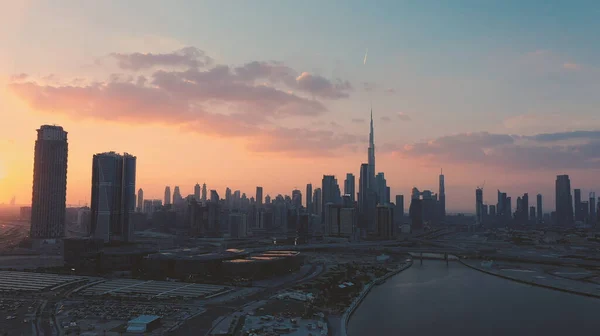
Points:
x=358 y=120
x=385 y=119
x=189 y=57
x=571 y=66
x=322 y=87
x=390 y=90
x=246 y=101
x=19 y=77
x=403 y=116
x=511 y=151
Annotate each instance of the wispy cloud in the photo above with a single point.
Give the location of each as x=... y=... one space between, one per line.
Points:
x=510 y=151
x=571 y=66
x=256 y=94
x=402 y=116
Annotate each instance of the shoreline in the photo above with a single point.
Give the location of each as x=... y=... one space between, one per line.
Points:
x=531 y=283
x=356 y=303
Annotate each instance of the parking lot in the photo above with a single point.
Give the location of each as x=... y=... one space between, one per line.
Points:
x=112 y=315
x=27 y=281
x=154 y=289
x=17 y=315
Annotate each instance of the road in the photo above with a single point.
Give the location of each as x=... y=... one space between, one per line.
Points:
x=202 y=324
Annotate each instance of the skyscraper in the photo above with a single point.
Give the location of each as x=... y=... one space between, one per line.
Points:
x=228 y=199
x=297 y=198
x=197 y=192
x=177 y=198
x=349 y=186
x=204 y=192
x=540 y=212
x=399 y=211
x=259 y=196
x=371 y=158
x=140 y=200
x=564 y=201
x=363 y=188
x=479 y=205
x=592 y=203
x=317 y=201
x=328 y=186
x=167 y=195
x=113 y=196
x=381 y=188
x=578 y=207
x=309 y=196
x=49 y=196
x=442 y=196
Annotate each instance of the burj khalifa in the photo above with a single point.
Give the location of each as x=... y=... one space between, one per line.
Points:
x=371 y=152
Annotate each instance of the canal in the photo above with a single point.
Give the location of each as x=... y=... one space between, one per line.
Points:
x=439 y=299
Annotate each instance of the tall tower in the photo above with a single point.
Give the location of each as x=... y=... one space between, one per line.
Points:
x=540 y=211
x=309 y=197
x=442 y=196
x=113 y=196
x=479 y=205
x=167 y=195
x=204 y=192
x=177 y=198
x=197 y=192
x=48 y=202
x=140 y=200
x=349 y=186
x=578 y=210
x=371 y=158
x=259 y=196
x=564 y=201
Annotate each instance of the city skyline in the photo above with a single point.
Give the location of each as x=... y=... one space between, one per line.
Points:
x=433 y=101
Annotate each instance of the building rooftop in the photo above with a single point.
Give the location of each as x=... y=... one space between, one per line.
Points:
x=145 y=319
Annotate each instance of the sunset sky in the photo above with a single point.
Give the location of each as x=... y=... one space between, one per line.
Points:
x=277 y=93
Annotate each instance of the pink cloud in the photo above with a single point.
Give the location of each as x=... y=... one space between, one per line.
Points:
x=252 y=95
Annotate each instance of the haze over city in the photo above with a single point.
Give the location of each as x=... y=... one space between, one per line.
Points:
x=204 y=92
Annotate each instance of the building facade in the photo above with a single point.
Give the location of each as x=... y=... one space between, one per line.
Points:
x=48 y=203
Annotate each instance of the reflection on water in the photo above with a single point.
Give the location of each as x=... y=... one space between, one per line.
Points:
x=435 y=298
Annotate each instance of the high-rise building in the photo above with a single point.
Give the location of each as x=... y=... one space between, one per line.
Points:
x=532 y=214
x=309 y=196
x=268 y=200
x=177 y=198
x=381 y=188
x=592 y=203
x=259 y=196
x=371 y=158
x=297 y=198
x=385 y=221
x=479 y=205
x=540 y=213
x=578 y=207
x=167 y=195
x=204 y=192
x=363 y=187
x=197 y=192
x=328 y=188
x=349 y=186
x=442 y=196
x=318 y=201
x=564 y=201
x=140 y=200
x=228 y=199
x=399 y=211
x=113 y=196
x=48 y=202
x=214 y=196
